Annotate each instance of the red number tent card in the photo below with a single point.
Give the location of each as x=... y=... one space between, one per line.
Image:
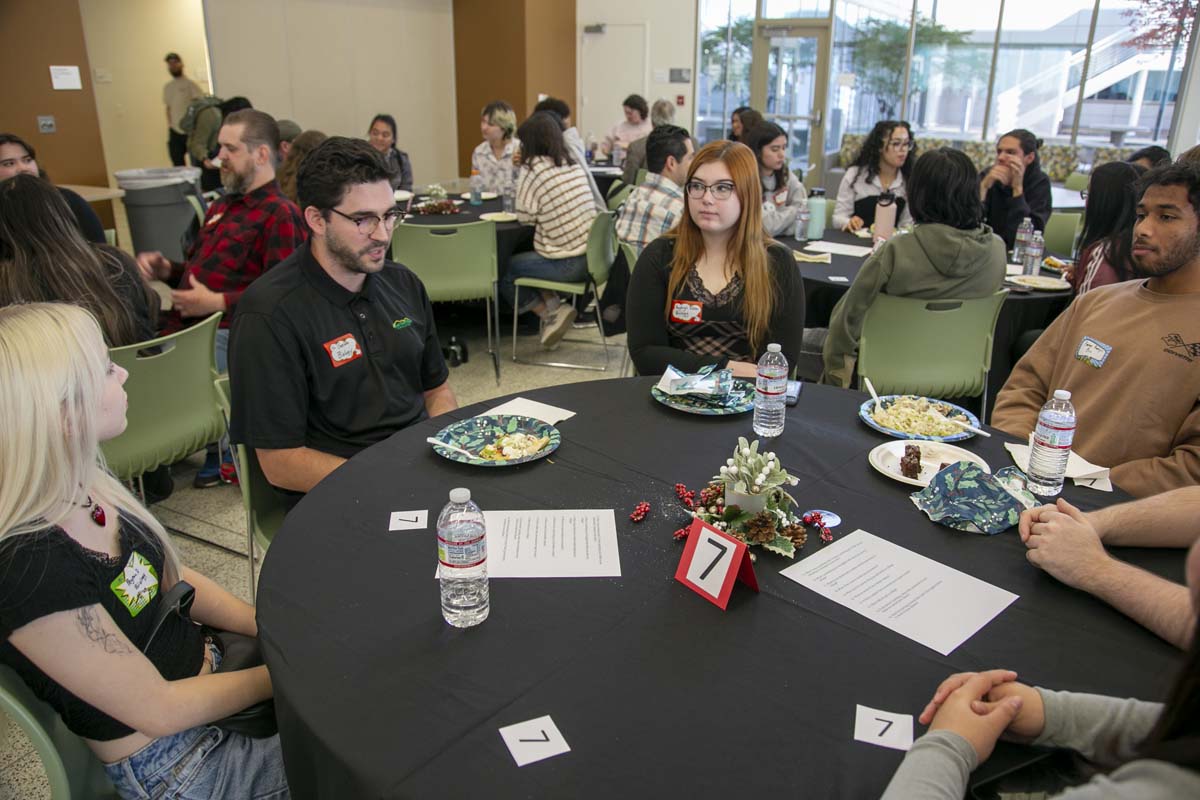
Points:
x=712 y=561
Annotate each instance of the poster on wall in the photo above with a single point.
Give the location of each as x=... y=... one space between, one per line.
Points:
x=65 y=78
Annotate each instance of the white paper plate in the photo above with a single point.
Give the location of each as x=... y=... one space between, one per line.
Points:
x=1041 y=283
x=886 y=459
x=482 y=195
x=402 y=195
x=499 y=216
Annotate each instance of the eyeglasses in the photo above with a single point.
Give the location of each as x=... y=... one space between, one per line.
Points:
x=369 y=223
x=719 y=191
x=901 y=144
x=1083 y=194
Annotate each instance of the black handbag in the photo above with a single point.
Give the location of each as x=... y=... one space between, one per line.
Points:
x=238 y=651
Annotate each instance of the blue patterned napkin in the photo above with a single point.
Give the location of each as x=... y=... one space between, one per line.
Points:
x=965 y=497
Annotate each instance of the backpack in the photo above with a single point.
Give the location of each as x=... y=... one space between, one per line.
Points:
x=188 y=123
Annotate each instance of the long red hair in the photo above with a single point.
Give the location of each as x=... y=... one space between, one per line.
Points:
x=746 y=249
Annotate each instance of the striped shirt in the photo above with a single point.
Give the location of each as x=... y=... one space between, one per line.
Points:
x=558 y=202
x=651 y=210
x=497 y=173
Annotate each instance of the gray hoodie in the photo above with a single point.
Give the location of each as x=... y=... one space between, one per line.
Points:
x=933 y=262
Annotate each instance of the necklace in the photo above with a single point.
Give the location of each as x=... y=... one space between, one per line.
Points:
x=97 y=514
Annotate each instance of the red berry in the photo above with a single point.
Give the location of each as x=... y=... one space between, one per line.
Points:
x=807 y=519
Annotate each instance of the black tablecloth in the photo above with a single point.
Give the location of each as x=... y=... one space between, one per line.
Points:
x=657 y=692
x=1023 y=310
x=605 y=178
x=511 y=237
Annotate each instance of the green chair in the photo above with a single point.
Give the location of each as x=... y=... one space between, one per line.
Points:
x=938 y=348
x=615 y=199
x=110 y=237
x=263 y=505
x=172 y=404
x=600 y=255
x=631 y=257
x=72 y=770
x=1061 y=231
x=616 y=186
x=641 y=175
x=455 y=262
x=1077 y=181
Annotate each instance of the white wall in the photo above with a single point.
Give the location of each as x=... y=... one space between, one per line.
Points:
x=126 y=43
x=670 y=28
x=334 y=64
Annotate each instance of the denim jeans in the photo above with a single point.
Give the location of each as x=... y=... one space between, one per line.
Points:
x=221 y=350
x=534 y=265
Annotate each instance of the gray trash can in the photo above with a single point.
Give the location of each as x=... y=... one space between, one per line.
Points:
x=158 y=208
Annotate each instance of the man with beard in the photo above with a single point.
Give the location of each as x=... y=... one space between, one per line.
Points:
x=178 y=94
x=1130 y=352
x=337 y=348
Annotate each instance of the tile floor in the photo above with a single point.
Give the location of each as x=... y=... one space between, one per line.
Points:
x=208 y=525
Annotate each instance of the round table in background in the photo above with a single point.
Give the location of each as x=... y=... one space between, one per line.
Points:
x=657 y=692
x=511 y=237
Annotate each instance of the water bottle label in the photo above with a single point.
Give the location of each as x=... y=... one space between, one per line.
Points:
x=1055 y=436
x=462 y=555
x=771 y=384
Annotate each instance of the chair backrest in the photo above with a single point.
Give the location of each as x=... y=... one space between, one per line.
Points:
x=641 y=175
x=940 y=348
x=617 y=185
x=600 y=248
x=264 y=507
x=72 y=770
x=615 y=199
x=1061 y=231
x=1076 y=181
x=172 y=404
x=631 y=255
x=455 y=262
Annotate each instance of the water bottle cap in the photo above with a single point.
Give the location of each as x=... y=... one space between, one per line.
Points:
x=1062 y=394
x=460 y=495
x=774 y=348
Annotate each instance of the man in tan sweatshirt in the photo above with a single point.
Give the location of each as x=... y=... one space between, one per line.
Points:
x=1130 y=352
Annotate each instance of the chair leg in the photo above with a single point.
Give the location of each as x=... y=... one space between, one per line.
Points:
x=141 y=486
x=493 y=348
x=516 y=296
x=983 y=404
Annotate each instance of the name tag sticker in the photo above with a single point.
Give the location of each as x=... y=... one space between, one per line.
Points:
x=343 y=349
x=1092 y=352
x=687 y=311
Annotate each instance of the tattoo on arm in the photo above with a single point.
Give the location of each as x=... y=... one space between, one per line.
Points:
x=92 y=627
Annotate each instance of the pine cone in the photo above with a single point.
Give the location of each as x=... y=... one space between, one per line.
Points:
x=797 y=533
x=761 y=528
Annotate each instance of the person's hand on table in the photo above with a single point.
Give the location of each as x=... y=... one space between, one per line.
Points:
x=957 y=680
x=1030 y=720
x=981 y=728
x=1064 y=543
x=742 y=369
x=154 y=265
x=853 y=224
x=197 y=301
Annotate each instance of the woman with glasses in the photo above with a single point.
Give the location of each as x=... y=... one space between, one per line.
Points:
x=783 y=193
x=882 y=166
x=715 y=290
x=553 y=195
x=1015 y=187
x=1107 y=240
x=382 y=136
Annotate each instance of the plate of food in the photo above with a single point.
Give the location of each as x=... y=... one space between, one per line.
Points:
x=482 y=195
x=500 y=440
x=1056 y=264
x=906 y=416
x=915 y=463
x=499 y=216
x=436 y=207
x=1041 y=283
x=738 y=401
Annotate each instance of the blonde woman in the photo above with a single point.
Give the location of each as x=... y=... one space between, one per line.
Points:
x=493 y=157
x=83 y=568
x=716 y=289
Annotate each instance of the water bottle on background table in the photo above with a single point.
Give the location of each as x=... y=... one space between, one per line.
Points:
x=462 y=561
x=770 y=389
x=476 y=188
x=1024 y=234
x=816 y=209
x=1051 y=445
x=1033 y=254
x=803 y=217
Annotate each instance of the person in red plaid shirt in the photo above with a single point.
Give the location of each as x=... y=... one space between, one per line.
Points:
x=245 y=233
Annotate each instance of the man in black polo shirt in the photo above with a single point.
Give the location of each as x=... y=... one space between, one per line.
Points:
x=335 y=348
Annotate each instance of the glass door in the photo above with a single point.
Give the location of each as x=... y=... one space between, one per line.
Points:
x=788 y=81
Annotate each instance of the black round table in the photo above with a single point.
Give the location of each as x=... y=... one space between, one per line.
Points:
x=657 y=692
x=1023 y=309
x=511 y=237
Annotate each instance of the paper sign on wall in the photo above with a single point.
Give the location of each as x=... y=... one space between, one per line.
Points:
x=65 y=78
x=712 y=561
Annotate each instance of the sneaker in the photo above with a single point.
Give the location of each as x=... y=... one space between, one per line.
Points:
x=210 y=474
x=557 y=325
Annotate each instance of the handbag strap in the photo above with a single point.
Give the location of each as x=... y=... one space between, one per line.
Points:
x=176 y=600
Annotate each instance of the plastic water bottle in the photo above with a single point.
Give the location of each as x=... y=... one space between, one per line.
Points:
x=1052 y=445
x=1033 y=254
x=462 y=560
x=589 y=153
x=476 y=188
x=816 y=208
x=803 y=218
x=1024 y=234
x=770 y=392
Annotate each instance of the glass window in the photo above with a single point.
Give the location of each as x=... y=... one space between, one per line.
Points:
x=952 y=56
x=791 y=90
x=723 y=75
x=792 y=9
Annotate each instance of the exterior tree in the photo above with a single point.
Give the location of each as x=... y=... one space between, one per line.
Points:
x=1161 y=22
x=882 y=47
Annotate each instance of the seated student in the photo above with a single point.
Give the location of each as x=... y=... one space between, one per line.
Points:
x=44 y=258
x=882 y=164
x=655 y=207
x=493 y=157
x=1015 y=187
x=382 y=135
x=337 y=348
x=18 y=157
x=742 y=119
x=1069 y=544
x=635 y=125
x=1150 y=157
x=715 y=290
x=662 y=112
x=552 y=195
x=783 y=194
x=1190 y=156
x=1128 y=352
x=950 y=254
x=1144 y=750
x=302 y=145
x=574 y=143
x=1107 y=237
x=288 y=131
x=85 y=567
